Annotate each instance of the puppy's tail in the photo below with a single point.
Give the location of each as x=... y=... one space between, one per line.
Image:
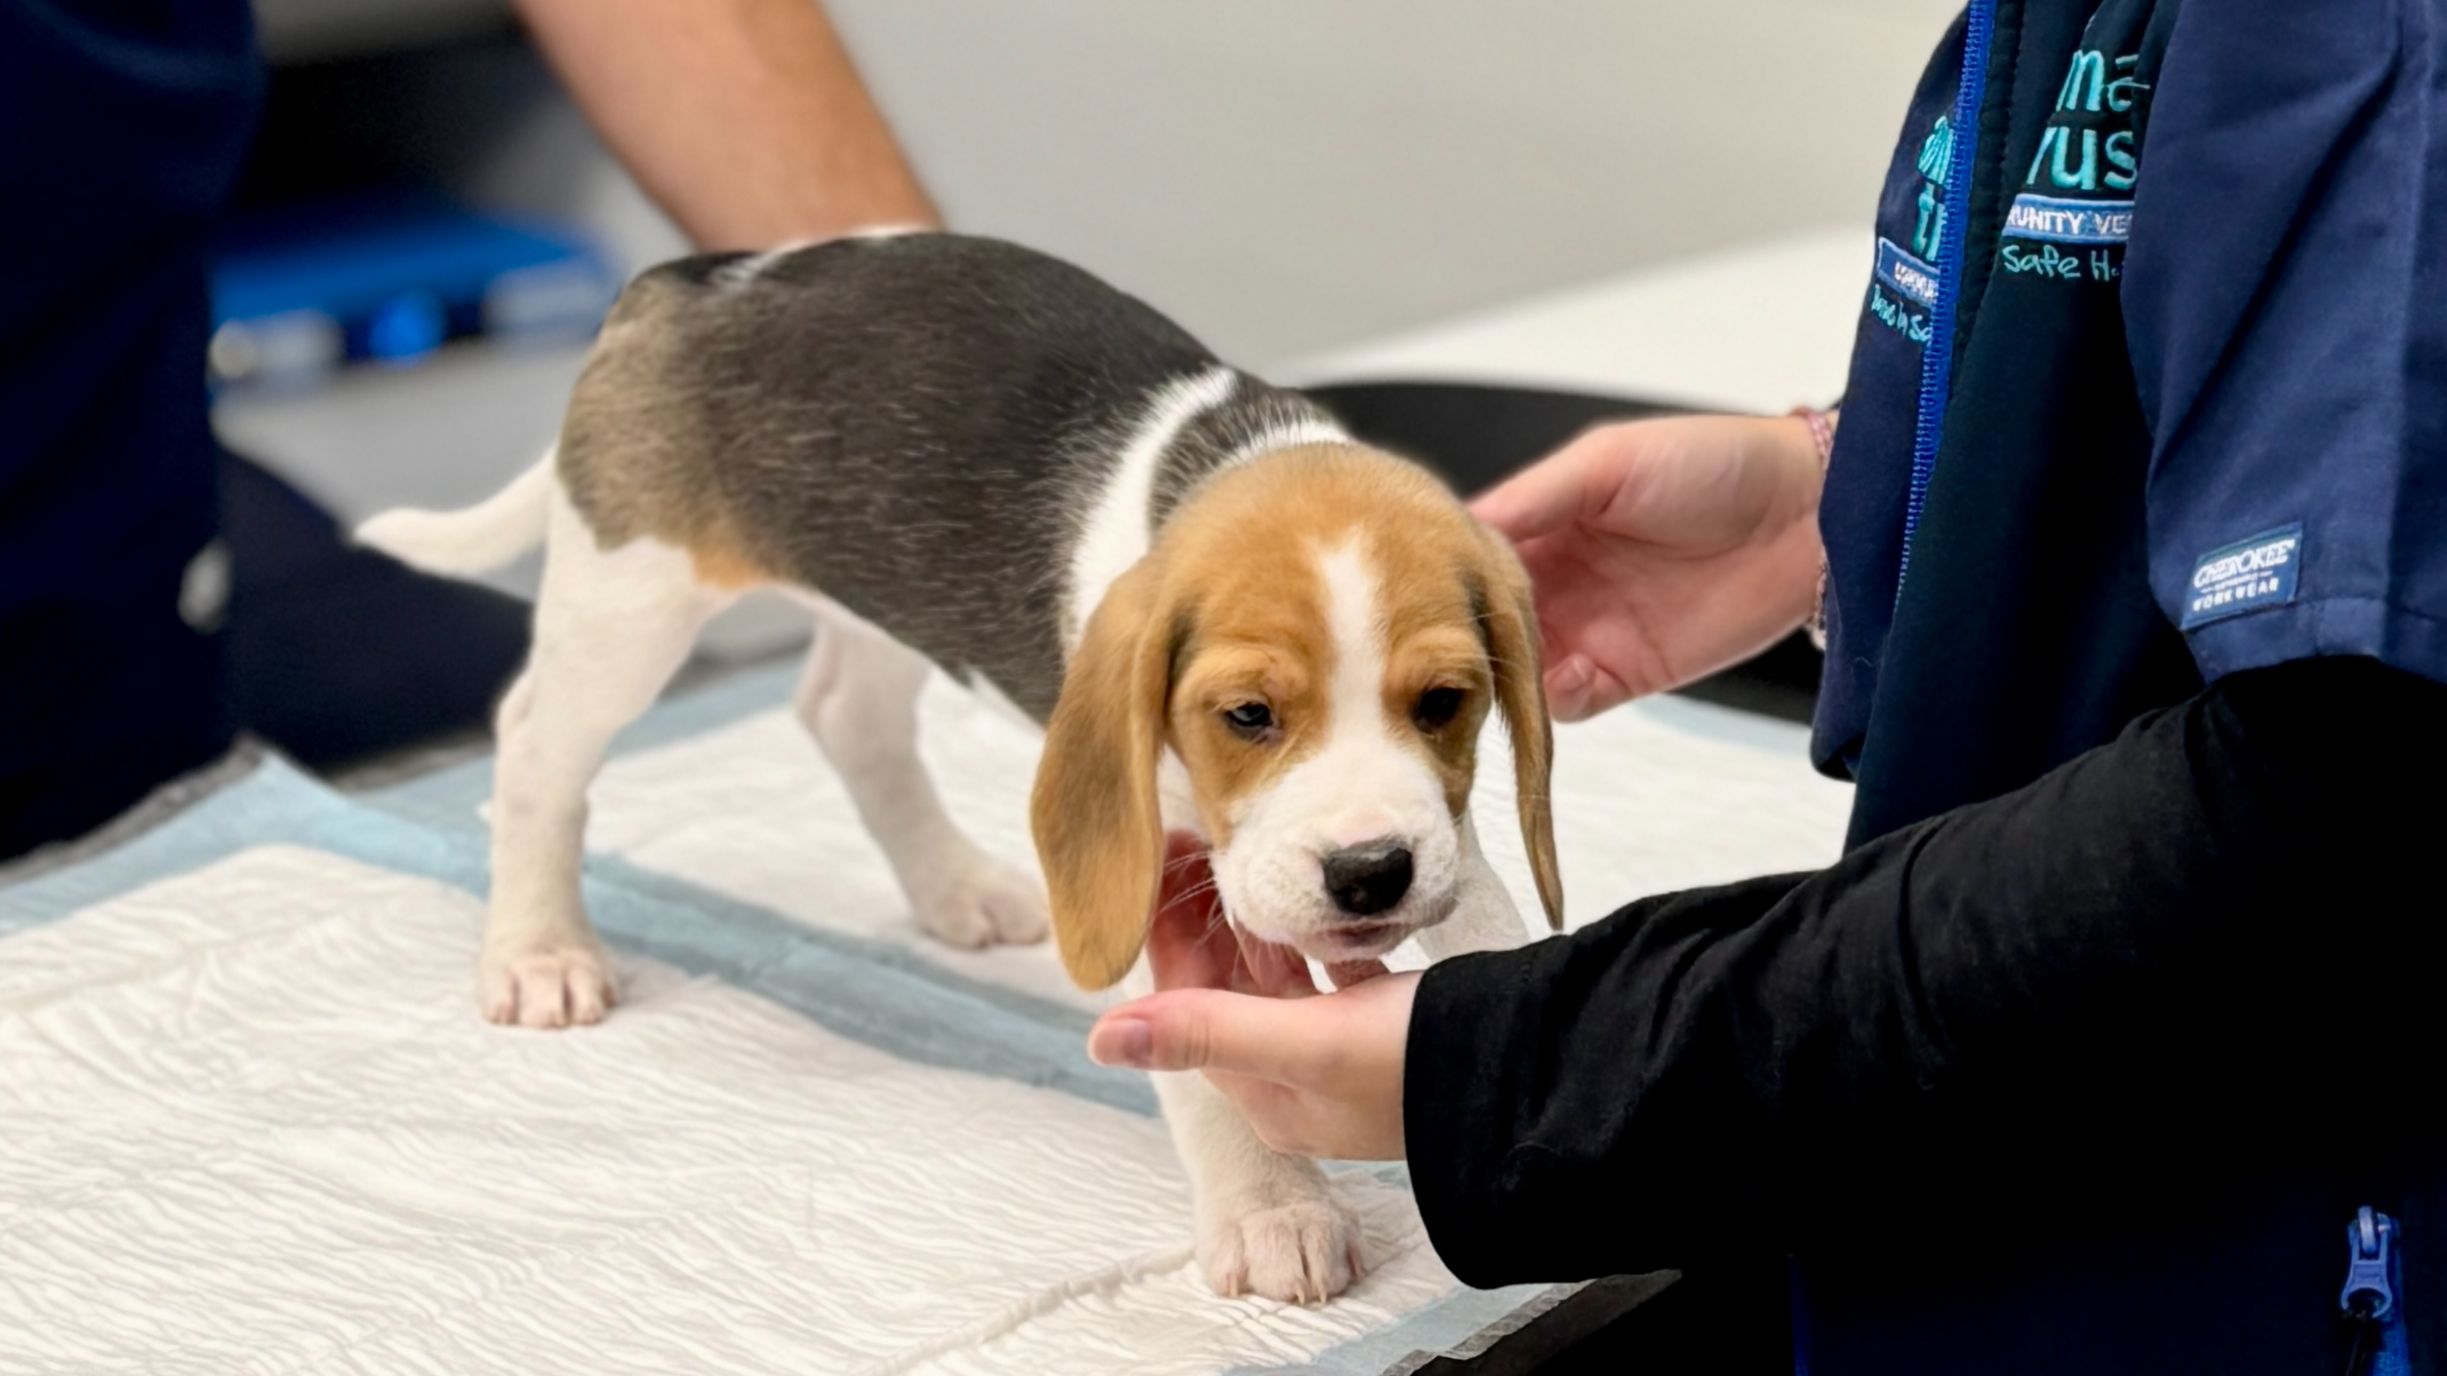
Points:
x=471 y=540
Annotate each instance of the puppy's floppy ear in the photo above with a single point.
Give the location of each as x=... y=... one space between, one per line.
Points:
x=1099 y=831
x=1510 y=619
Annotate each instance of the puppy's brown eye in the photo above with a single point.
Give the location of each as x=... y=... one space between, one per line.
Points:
x=1250 y=720
x=1436 y=708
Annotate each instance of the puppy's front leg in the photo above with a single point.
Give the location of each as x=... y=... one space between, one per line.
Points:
x=1268 y=1224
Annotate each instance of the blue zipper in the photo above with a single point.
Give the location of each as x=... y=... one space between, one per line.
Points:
x=2369 y=1299
x=1937 y=357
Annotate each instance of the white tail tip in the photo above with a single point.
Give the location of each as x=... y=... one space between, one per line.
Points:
x=476 y=539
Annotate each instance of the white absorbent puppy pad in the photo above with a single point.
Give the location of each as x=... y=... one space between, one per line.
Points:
x=249 y=1120
x=252 y=1124
x=724 y=792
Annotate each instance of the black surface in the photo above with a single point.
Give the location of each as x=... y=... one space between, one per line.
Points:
x=1477 y=436
x=1734 y=1321
x=336 y=654
x=1557 y=1336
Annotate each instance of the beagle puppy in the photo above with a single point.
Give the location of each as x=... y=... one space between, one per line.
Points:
x=1231 y=618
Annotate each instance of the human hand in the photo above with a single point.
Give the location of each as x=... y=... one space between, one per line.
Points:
x=1314 y=1074
x=1663 y=550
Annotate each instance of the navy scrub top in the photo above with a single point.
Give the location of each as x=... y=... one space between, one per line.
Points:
x=127 y=121
x=2150 y=385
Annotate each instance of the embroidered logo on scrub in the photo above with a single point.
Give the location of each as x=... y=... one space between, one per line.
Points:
x=1913 y=278
x=2075 y=212
x=2245 y=577
x=2070 y=222
x=1906 y=288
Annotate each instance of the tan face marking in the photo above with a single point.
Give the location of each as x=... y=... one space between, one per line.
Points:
x=1334 y=680
x=1219 y=703
x=1260 y=631
x=1437 y=690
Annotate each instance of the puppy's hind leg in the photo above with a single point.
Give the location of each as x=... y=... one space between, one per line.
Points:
x=859 y=699
x=610 y=628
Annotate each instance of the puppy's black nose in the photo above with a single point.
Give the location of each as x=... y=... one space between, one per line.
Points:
x=1367 y=879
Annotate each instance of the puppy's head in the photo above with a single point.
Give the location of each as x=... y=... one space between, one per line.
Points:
x=1319 y=636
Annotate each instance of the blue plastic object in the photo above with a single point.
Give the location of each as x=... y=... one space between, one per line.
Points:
x=405 y=328
x=390 y=276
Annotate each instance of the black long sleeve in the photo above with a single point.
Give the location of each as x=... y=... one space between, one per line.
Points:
x=2189 y=927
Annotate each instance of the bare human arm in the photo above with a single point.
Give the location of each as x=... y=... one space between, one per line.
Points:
x=744 y=119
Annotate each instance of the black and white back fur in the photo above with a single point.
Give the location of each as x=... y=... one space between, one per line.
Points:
x=935 y=417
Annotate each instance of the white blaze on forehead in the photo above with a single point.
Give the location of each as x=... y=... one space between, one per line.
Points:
x=1356 y=629
x=1348 y=783
x=1363 y=783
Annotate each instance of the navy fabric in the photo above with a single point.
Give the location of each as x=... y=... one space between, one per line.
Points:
x=2188 y=431
x=128 y=121
x=2025 y=632
x=1861 y=512
x=2287 y=310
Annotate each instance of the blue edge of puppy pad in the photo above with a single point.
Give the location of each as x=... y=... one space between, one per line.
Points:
x=886 y=995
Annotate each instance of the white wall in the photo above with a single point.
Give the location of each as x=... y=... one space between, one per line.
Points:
x=1290 y=174
x=1286 y=175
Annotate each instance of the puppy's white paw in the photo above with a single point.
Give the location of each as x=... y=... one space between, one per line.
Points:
x=555 y=984
x=1305 y=1251
x=983 y=902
